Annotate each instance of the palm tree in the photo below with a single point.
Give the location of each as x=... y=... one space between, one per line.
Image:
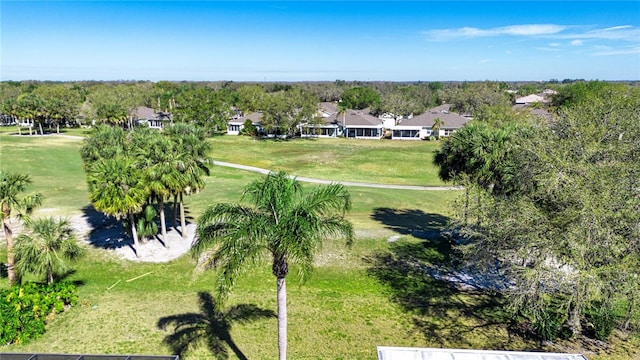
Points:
x=11 y=185
x=116 y=189
x=342 y=110
x=105 y=142
x=283 y=222
x=211 y=326
x=189 y=141
x=47 y=249
x=435 y=128
x=160 y=165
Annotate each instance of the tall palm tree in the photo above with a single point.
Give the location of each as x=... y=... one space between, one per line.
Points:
x=342 y=110
x=105 y=142
x=117 y=189
x=11 y=186
x=48 y=248
x=190 y=141
x=282 y=222
x=435 y=128
x=160 y=165
x=210 y=325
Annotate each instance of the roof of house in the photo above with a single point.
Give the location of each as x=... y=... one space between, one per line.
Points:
x=533 y=111
x=530 y=99
x=449 y=119
x=255 y=117
x=147 y=113
x=144 y=112
x=329 y=107
x=357 y=118
x=400 y=353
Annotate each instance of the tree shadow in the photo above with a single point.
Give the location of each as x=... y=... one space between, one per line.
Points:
x=423 y=277
x=210 y=326
x=106 y=232
x=413 y=222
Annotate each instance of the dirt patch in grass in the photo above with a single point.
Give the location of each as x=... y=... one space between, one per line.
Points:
x=104 y=232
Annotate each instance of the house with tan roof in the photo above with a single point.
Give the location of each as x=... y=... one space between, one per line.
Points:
x=236 y=124
x=420 y=127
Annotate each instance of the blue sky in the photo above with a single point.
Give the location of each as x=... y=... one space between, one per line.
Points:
x=308 y=40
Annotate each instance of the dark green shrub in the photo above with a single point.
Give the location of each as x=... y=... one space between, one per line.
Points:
x=546 y=324
x=603 y=319
x=25 y=310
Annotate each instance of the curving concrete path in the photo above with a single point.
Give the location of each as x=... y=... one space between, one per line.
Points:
x=320 y=181
x=345 y=183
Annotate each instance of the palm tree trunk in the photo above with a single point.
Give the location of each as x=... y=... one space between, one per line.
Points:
x=175 y=211
x=574 y=319
x=183 y=223
x=134 y=232
x=49 y=275
x=8 y=234
x=282 y=318
x=163 y=223
x=466 y=205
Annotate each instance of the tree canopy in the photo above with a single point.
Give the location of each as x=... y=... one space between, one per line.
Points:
x=557 y=209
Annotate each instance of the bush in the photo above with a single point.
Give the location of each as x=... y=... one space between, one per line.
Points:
x=603 y=320
x=546 y=325
x=25 y=310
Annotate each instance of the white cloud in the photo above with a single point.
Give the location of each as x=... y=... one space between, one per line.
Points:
x=617 y=28
x=623 y=51
x=623 y=33
x=577 y=34
x=548 y=49
x=528 y=30
x=554 y=44
x=513 y=30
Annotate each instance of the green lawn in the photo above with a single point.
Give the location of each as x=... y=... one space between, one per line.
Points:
x=375 y=293
x=378 y=161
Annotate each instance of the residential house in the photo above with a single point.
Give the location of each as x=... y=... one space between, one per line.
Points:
x=359 y=124
x=326 y=123
x=235 y=126
x=147 y=116
x=420 y=127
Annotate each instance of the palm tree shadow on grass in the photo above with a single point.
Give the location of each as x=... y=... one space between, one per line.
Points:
x=425 y=277
x=210 y=326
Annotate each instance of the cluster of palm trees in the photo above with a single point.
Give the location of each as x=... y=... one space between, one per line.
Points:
x=48 y=244
x=129 y=171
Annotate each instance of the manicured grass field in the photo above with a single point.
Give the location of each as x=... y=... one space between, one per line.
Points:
x=376 y=161
x=375 y=293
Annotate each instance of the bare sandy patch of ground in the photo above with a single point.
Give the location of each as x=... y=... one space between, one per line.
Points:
x=104 y=232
